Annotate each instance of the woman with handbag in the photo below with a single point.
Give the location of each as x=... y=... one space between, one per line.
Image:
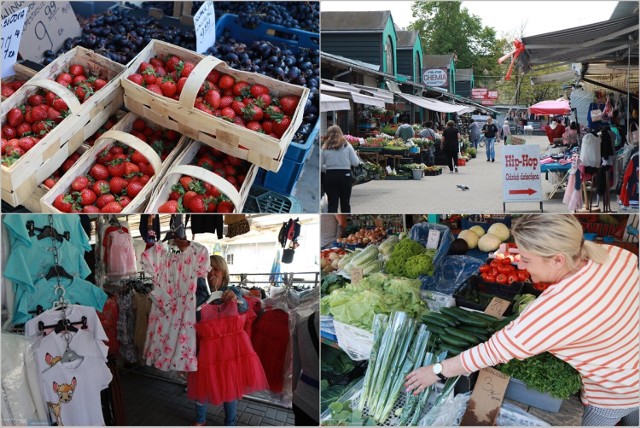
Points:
x=338 y=156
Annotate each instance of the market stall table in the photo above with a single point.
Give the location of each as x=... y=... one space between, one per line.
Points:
x=560 y=171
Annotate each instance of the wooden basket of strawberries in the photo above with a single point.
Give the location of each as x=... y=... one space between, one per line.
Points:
x=11 y=84
x=44 y=121
x=112 y=177
x=204 y=179
x=246 y=115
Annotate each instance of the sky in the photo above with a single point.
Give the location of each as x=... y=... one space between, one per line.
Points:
x=506 y=17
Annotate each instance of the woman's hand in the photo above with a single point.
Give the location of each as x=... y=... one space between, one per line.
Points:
x=419 y=379
x=228 y=296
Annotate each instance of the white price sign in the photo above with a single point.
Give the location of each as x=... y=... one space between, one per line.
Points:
x=12 y=27
x=204 y=22
x=521 y=173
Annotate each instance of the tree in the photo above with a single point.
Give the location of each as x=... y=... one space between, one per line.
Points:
x=446 y=27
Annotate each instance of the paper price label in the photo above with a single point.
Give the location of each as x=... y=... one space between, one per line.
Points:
x=486 y=398
x=10 y=42
x=497 y=307
x=433 y=239
x=204 y=22
x=356 y=275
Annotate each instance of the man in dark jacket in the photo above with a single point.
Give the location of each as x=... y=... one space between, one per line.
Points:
x=490 y=130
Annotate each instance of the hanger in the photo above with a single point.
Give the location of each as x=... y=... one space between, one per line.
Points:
x=57 y=270
x=213 y=296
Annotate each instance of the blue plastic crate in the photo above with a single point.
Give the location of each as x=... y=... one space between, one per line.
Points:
x=292 y=38
x=285 y=179
x=299 y=152
x=88 y=8
x=262 y=200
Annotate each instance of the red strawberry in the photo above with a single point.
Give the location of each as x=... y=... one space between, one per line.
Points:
x=211 y=190
x=104 y=200
x=226 y=82
x=39 y=113
x=90 y=209
x=22 y=129
x=253 y=112
x=254 y=126
x=101 y=187
x=117 y=185
x=112 y=207
x=116 y=150
x=267 y=126
x=174 y=196
x=67 y=164
x=9 y=132
x=87 y=197
x=60 y=105
x=156 y=62
x=50 y=182
x=155 y=88
x=105 y=157
x=35 y=100
x=168 y=88
x=196 y=204
x=238 y=107
x=130 y=169
x=78 y=80
x=203 y=107
x=186 y=199
x=214 y=77
x=228 y=113
x=80 y=183
x=213 y=98
x=63 y=203
x=15 y=117
x=137 y=157
x=6 y=91
x=186 y=68
x=55 y=115
x=143 y=179
x=160 y=71
x=124 y=201
x=232 y=160
x=280 y=127
x=83 y=92
x=180 y=84
x=226 y=101
x=263 y=100
x=185 y=181
x=168 y=207
x=210 y=203
x=136 y=78
x=42 y=127
x=99 y=84
x=172 y=63
x=171 y=135
x=145 y=67
x=258 y=89
x=116 y=168
x=139 y=124
x=133 y=188
x=239 y=88
x=230 y=170
x=64 y=79
x=273 y=112
x=99 y=172
x=288 y=103
x=238 y=120
x=225 y=207
x=149 y=78
x=146 y=168
x=76 y=70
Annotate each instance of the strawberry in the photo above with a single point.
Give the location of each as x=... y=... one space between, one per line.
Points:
x=80 y=183
x=206 y=163
x=230 y=170
x=146 y=168
x=117 y=185
x=185 y=181
x=99 y=84
x=267 y=127
x=239 y=88
x=6 y=91
x=104 y=157
x=139 y=124
x=133 y=188
x=168 y=88
x=22 y=129
x=87 y=197
x=211 y=190
x=184 y=69
x=116 y=168
x=186 y=199
x=50 y=182
x=226 y=101
x=99 y=172
x=180 y=84
x=149 y=78
x=168 y=207
x=160 y=71
x=137 y=157
x=171 y=135
x=273 y=112
x=253 y=112
x=83 y=92
x=9 y=131
x=63 y=203
x=55 y=115
x=196 y=204
x=60 y=105
x=39 y=113
x=136 y=78
x=124 y=200
x=76 y=70
x=228 y=113
x=289 y=103
x=15 y=117
x=78 y=80
x=67 y=164
x=263 y=100
x=64 y=79
x=172 y=62
x=213 y=98
x=258 y=89
x=116 y=150
x=35 y=100
x=210 y=203
x=42 y=127
x=226 y=82
x=112 y=207
x=101 y=187
x=90 y=209
x=154 y=88
x=238 y=120
x=232 y=160
x=225 y=206
x=143 y=179
x=104 y=200
x=280 y=127
x=254 y=126
x=238 y=107
x=130 y=169
x=203 y=107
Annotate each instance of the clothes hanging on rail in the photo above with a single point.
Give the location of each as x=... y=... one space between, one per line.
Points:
x=590 y=154
x=271 y=341
x=573 y=192
x=629 y=191
x=120 y=255
x=171 y=337
x=151 y=235
x=16 y=223
x=206 y=223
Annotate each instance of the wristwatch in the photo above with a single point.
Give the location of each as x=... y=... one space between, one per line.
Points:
x=437 y=370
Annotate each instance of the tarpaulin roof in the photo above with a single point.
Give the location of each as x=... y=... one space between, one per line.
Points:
x=435 y=105
x=345 y=90
x=551 y=107
x=331 y=103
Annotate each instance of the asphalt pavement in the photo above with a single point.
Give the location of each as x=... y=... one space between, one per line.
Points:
x=441 y=195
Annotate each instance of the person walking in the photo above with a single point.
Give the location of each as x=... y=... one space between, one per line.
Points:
x=587 y=317
x=429 y=134
x=405 y=131
x=474 y=133
x=490 y=130
x=338 y=156
x=506 y=130
x=451 y=145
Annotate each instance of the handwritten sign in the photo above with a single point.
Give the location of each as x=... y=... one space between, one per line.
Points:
x=356 y=275
x=486 y=398
x=433 y=239
x=497 y=307
x=521 y=173
x=47 y=26
x=10 y=41
x=204 y=22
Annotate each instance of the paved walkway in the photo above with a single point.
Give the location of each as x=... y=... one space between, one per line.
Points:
x=439 y=194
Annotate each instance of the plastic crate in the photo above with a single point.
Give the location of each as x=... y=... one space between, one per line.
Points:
x=518 y=391
x=285 y=179
x=300 y=152
x=293 y=39
x=467 y=223
x=261 y=200
x=88 y=8
x=475 y=282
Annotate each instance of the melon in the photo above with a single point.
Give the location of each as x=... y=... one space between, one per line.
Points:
x=470 y=237
x=489 y=243
x=478 y=230
x=500 y=230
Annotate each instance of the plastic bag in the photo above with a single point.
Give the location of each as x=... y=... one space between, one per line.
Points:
x=450 y=274
x=420 y=233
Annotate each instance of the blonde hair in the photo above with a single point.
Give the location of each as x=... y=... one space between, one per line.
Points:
x=549 y=234
x=335 y=139
x=220 y=263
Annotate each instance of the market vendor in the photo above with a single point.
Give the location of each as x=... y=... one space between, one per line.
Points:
x=588 y=318
x=555 y=130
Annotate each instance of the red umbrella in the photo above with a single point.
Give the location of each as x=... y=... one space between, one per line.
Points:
x=551 y=107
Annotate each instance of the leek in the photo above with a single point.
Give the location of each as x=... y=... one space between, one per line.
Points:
x=379 y=324
x=422 y=399
x=412 y=400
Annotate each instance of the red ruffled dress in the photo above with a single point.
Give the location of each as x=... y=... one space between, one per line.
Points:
x=228 y=367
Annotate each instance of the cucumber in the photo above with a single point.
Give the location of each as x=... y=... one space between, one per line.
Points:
x=475 y=322
x=435 y=319
x=451 y=350
x=453 y=321
x=462 y=335
x=484 y=316
x=478 y=330
x=455 y=311
x=433 y=328
x=455 y=341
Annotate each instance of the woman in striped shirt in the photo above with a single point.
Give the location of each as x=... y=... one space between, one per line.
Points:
x=589 y=317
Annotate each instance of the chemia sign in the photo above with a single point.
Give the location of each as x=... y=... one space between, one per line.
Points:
x=435 y=77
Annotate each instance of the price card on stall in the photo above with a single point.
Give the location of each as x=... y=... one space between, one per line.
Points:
x=497 y=307
x=486 y=398
x=204 y=22
x=11 y=34
x=433 y=239
x=356 y=275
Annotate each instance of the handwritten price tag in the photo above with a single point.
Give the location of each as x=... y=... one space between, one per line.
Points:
x=356 y=275
x=204 y=22
x=433 y=239
x=486 y=398
x=10 y=43
x=497 y=307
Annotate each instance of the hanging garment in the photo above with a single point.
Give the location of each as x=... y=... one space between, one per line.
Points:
x=228 y=366
x=573 y=194
x=630 y=182
x=142 y=308
x=150 y=235
x=120 y=256
x=271 y=341
x=77 y=291
x=171 y=337
x=126 y=327
x=252 y=313
x=109 y=319
x=73 y=313
x=51 y=347
x=16 y=223
x=590 y=151
x=209 y=223
x=594 y=124
x=72 y=391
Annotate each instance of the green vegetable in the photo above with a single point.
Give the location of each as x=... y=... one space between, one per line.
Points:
x=545 y=373
x=434 y=319
x=388 y=244
x=462 y=334
x=372 y=267
x=520 y=302
x=403 y=263
x=346 y=259
x=422 y=264
x=364 y=257
x=455 y=341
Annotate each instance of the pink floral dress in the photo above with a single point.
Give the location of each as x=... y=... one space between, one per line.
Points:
x=171 y=335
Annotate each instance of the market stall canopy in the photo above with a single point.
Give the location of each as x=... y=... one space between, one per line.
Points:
x=344 y=90
x=435 y=105
x=551 y=107
x=560 y=76
x=331 y=103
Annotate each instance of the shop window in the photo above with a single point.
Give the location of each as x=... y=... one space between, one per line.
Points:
x=388 y=49
x=417 y=68
x=229 y=259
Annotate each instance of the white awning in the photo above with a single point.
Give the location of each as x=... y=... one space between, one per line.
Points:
x=331 y=103
x=352 y=93
x=383 y=94
x=435 y=105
